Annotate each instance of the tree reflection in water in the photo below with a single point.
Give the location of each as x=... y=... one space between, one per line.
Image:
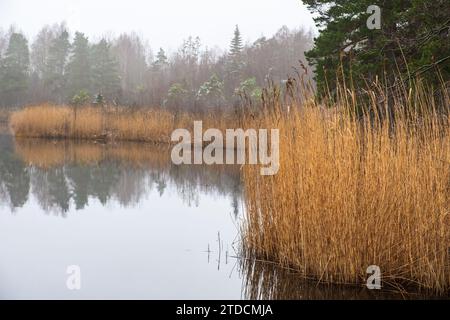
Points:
x=62 y=174
x=14 y=176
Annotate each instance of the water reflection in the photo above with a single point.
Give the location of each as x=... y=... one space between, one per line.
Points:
x=138 y=226
x=61 y=174
x=266 y=281
x=14 y=175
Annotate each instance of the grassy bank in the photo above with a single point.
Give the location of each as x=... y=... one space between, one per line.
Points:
x=355 y=193
x=94 y=123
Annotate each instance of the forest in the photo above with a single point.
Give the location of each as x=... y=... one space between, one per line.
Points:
x=62 y=67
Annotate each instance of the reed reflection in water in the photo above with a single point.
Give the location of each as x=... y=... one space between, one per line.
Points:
x=61 y=173
x=267 y=281
x=138 y=226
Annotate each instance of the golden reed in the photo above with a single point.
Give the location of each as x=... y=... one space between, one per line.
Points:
x=48 y=121
x=111 y=123
x=356 y=191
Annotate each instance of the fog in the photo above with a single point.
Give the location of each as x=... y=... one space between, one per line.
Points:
x=163 y=23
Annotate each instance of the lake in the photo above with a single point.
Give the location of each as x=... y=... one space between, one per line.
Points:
x=136 y=226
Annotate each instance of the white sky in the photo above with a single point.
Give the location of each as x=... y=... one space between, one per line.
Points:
x=164 y=23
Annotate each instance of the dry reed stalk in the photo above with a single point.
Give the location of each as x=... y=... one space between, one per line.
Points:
x=59 y=122
x=354 y=193
x=112 y=124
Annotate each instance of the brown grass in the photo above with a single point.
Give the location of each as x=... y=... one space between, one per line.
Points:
x=94 y=123
x=354 y=193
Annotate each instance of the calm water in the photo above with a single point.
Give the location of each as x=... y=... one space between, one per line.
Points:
x=136 y=225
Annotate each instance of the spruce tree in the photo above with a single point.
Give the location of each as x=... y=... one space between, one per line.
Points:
x=161 y=60
x=79 y=66
x=104 y=70
x=235 y=63
x=236 y=44
x=14 y=71
x=235 y=53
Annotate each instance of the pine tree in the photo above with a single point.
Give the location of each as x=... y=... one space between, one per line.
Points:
x=79 y=67
x=211 y=92
x=14 y=70
x=413 y=39
x=105 y=75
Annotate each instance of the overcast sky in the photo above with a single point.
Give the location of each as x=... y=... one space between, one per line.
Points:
x=164 y=23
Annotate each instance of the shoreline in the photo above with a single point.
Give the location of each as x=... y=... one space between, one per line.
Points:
x=346 y=197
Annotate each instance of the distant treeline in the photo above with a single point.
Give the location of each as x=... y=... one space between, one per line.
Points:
x=61 y=67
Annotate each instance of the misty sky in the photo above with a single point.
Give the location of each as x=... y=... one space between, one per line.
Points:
x=164 y=23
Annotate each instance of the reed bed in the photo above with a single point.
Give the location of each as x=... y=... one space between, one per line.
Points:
x=93 y=123
x=356 y=191
x=110 y=123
